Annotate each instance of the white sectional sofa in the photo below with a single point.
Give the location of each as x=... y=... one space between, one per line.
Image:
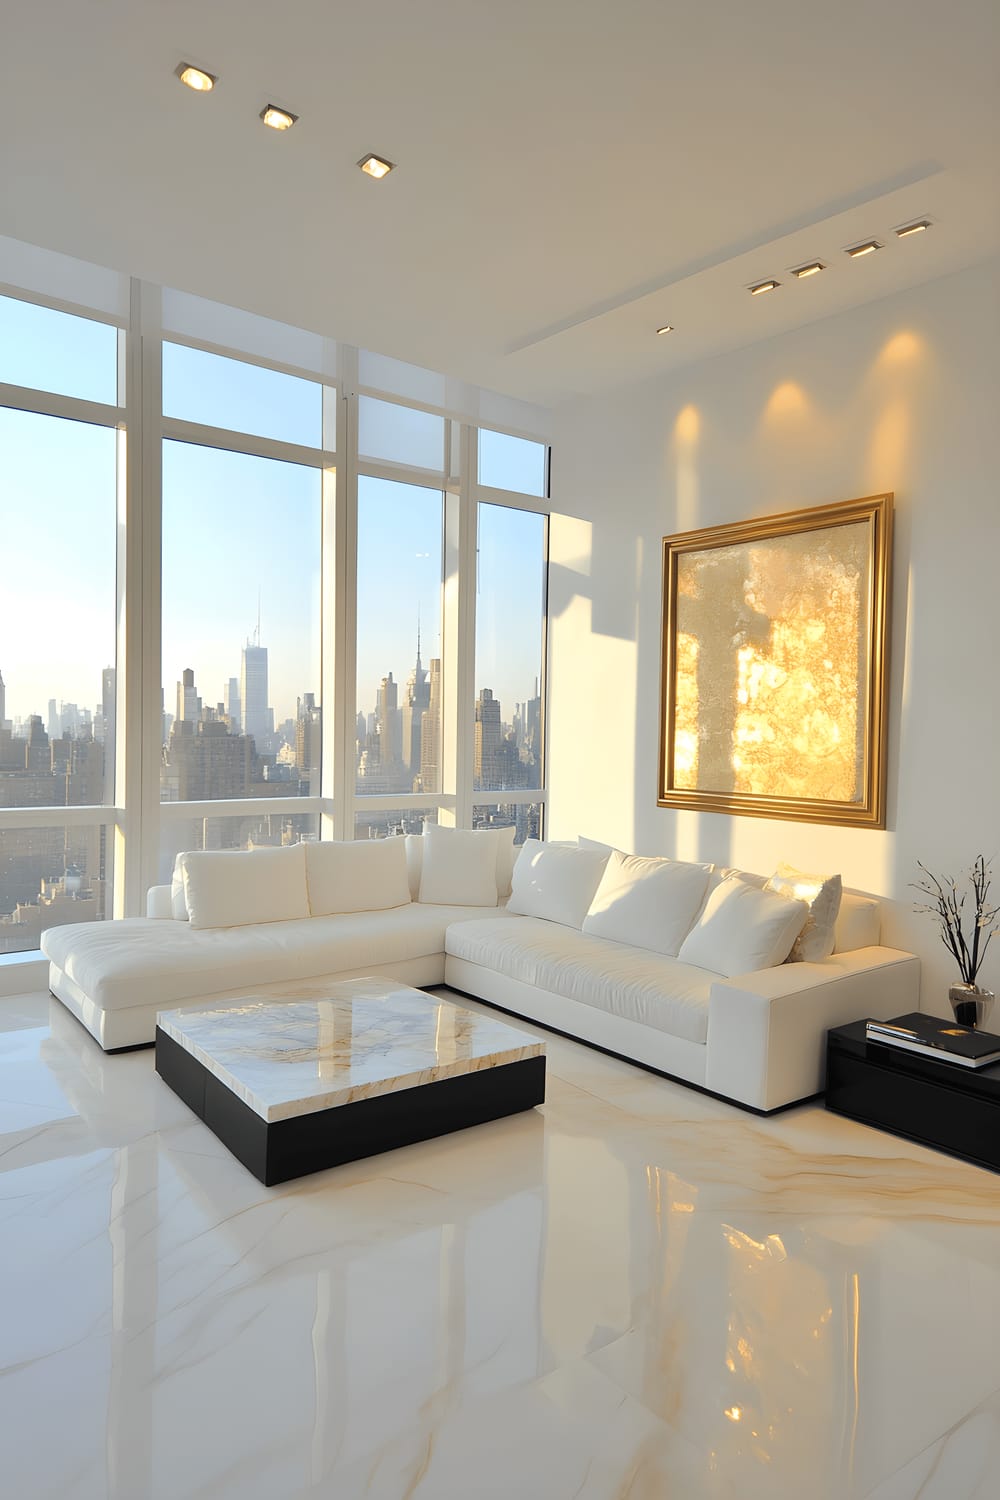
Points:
x=591 y=943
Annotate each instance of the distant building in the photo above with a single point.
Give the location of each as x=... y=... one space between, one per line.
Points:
x=232 y=702
x=489 y=737
x=257 y=717
x=415 y=705
x=430 y=734
x=188 y=702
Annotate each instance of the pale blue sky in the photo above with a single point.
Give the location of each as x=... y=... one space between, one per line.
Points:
x=234 y=527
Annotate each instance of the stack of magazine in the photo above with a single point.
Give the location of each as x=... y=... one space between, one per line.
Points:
x=933 y=1037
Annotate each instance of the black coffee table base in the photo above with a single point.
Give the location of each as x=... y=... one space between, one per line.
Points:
x=941 y=1105
x=275 y=1152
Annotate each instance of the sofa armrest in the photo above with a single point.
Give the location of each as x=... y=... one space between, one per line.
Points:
x=767 y=1031
x=158 y=903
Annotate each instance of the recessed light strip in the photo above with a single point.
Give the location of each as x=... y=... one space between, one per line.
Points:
x=866 y=247
x=667 y=328
x=763 y=286
x=914 y=227
x=810 y=269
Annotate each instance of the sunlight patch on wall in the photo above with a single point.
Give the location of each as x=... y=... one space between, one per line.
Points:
x=687 y=431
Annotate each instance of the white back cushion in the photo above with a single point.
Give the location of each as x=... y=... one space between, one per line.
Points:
x=227 y=889
x=742 y=929
x=356 y=875
x=822 y=894
x=556 y=882
x=859 y=924
x=648 y=903
x=178 y=905
x=459 y=866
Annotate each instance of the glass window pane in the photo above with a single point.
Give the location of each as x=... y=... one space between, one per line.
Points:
x=512 y=463
x=380 y=825
x=400 y=434
x=231 y=393
x=57 y=351
x=58 y=501
x=524 y=817
x=509 y=618
x=241 y=626
x=399 y=638
x=268 y=830
x=50 y=876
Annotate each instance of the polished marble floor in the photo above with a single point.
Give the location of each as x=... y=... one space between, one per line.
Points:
x=632 y=1292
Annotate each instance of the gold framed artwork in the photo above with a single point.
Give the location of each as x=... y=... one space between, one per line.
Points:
x=775 y=665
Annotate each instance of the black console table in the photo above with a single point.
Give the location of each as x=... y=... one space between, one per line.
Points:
x=939 y=1104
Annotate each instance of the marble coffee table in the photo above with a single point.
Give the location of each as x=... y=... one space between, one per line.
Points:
x=297 y=1086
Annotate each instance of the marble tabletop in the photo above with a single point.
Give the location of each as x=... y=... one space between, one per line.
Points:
x=367 y=1037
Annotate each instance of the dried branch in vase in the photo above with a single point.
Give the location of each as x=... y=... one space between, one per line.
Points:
x=966 y=934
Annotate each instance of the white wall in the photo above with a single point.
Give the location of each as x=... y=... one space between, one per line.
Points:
x=899 y=395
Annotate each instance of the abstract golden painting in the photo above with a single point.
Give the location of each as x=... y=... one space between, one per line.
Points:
x=775 y=665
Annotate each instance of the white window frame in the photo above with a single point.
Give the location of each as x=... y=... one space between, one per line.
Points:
x=136 y=814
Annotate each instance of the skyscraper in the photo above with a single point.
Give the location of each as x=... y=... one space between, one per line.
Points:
x=390 y=728
x=430 y=734
x=3 y=704
x=253 y=694
x=486 y=762
x=188 y=702
x=417 y=701
x=231 y=699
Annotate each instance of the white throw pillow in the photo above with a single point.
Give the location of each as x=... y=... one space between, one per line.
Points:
x=356 y=875
x=556 y=882
x=236 y=889
x=743 y=929
x=602 y=848
x=648 y=903
x=459 y=866
x=822 y=894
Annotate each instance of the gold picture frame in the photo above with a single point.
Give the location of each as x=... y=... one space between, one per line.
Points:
x=775 y=659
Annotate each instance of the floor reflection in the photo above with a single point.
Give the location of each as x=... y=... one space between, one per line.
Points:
x=634 y=1291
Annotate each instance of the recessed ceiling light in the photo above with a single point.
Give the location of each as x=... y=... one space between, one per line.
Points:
x=278 y=119
x=914 y=228
x=667 y=328
x=763 y=286
x=196 y=78
x=809 y=270
x=375 y=166
x=865 y=248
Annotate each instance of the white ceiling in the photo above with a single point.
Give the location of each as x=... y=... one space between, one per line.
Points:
x=572 y=173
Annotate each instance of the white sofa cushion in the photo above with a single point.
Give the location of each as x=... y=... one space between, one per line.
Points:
x=742 y=929
x=241 y=888
x=178 y=905
x=139 y=961
x=458 y=866
x=822 y=894
x=356 y=875
x=556 y=882
x=859 y=924
x=505 y=855
x=649 y=903
x=633 y=983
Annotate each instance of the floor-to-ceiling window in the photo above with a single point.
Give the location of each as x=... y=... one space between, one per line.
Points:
x=340 y=587
x=59 y=476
